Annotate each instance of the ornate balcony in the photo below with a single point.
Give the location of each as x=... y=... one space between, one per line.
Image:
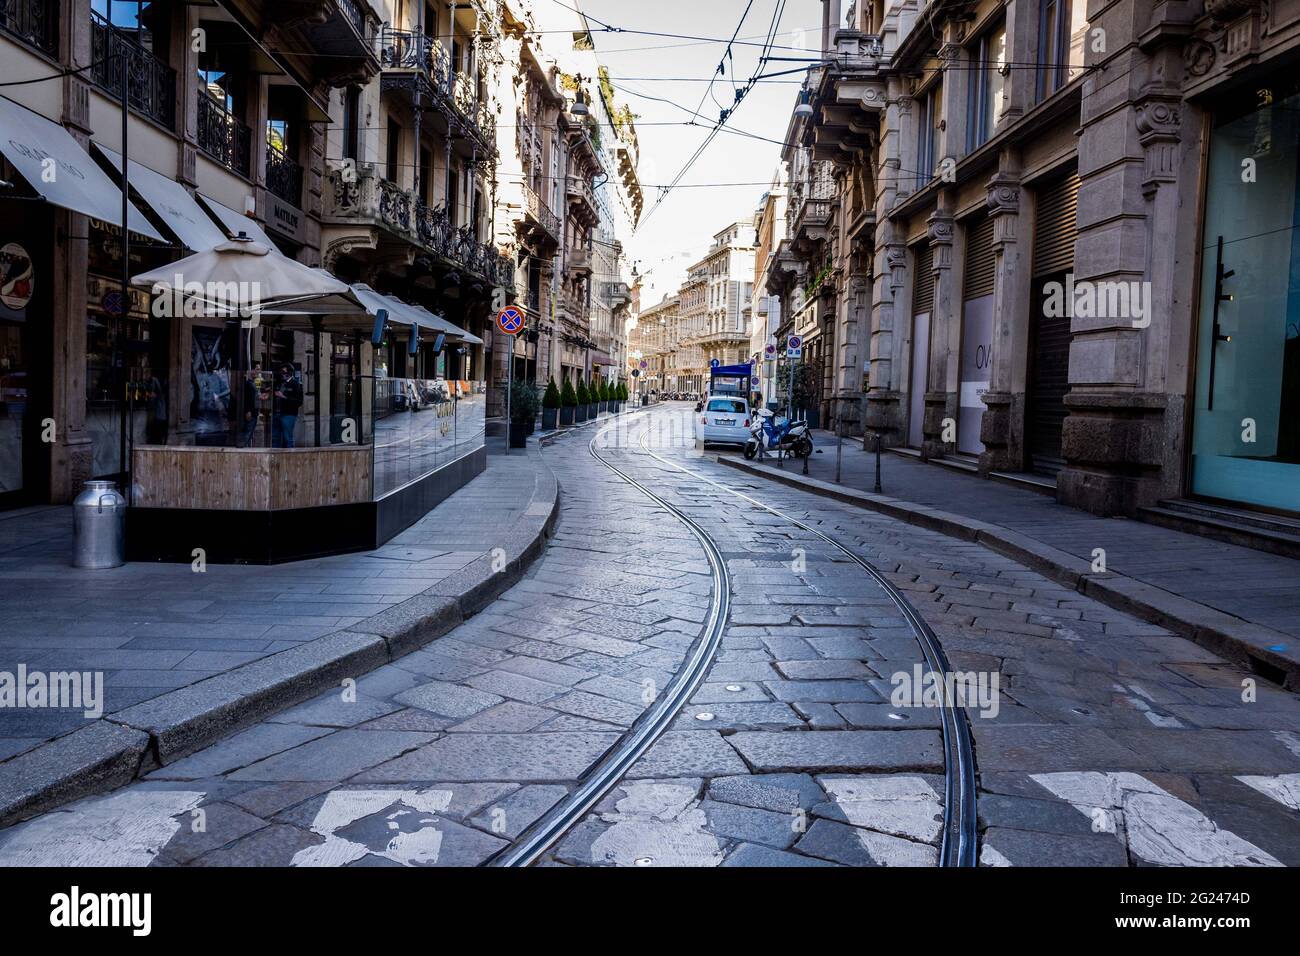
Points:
x=617 y=294
x=341 y=33
x=223 y=137
x=538 y=216
x=150 y=83
x=577 y=262
x=283 y=176
x=361 y=197
x=35 y=22
x=411 y=61
x=583 y=200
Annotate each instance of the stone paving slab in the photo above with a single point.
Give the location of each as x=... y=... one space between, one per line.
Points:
x=216 y=690
x=1193 y=585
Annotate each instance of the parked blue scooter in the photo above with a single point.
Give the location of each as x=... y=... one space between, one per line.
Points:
x=783 y=436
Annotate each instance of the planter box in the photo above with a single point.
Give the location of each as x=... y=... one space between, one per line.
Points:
x=580 y=413
x=549 y=416
x=566 y=415
x=518 y=434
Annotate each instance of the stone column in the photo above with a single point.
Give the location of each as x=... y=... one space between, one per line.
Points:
x=1003 y=425
x=945 y=336
x=1123 y=437
x=71 y=452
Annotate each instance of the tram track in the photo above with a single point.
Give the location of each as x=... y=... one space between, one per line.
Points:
x=958 y=846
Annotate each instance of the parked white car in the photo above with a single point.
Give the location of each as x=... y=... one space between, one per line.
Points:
x=725 y=420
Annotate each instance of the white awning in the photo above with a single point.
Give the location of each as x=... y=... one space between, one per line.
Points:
x=56 y=166
x=235 y=223
x=404 y=313
x=447 y=328
x=172 y=202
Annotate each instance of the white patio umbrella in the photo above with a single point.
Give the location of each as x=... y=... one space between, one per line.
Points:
x=242 y=278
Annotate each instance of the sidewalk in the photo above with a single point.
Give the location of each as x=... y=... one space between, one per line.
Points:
x=1256 y=594
x=188 y=657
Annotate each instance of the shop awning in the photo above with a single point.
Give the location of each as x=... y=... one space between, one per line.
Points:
x=172 y=202
x=72 y=180
x=601 y=358
x=405 y=313
x=235 y=223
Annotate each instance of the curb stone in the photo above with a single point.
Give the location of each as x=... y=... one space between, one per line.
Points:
x=1253 y=646
x=123 y=746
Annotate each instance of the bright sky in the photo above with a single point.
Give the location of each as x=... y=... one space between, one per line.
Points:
x=677 y=70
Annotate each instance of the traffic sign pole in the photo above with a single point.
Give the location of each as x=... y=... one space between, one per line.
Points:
x=510 y=321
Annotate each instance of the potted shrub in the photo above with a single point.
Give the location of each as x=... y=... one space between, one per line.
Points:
x=592 y=407
x=523 y=411
x=550 y=405
x=568 y=404
x=582 y=409
x=622 y=394
x=602 y=394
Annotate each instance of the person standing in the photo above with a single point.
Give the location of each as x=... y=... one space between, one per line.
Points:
x=288 y=400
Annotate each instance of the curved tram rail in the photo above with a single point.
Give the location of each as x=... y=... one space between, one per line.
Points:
x=959 y=842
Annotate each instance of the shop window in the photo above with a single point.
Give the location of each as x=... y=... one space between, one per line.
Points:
x=988 y=60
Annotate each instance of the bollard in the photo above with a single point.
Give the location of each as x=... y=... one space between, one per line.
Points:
x=878 y=488
x=839 y=451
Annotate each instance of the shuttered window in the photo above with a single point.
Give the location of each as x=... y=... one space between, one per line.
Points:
x=980 y=263
x=923 y=280
x=1054 y=227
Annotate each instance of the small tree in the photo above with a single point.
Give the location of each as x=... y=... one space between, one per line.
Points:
x=602 y=390
x=568 y=396
x=523 y=401
x=582 y=393
x=622 y=391
x=551 y=398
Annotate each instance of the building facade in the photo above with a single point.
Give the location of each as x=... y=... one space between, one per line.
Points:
x=1060 y=240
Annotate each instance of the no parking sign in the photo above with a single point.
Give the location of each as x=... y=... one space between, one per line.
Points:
x=794 y=347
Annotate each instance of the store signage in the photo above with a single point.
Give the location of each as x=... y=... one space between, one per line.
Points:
x=17 y=276
x=285 y=219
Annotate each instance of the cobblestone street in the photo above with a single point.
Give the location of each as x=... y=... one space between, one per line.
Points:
x=1098 y=739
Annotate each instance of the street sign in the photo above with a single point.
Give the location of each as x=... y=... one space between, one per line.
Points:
x=714 y=363
x=794 y=347
x=636 y=373
x=510 y=320
x=645 y=364
x=770 y=351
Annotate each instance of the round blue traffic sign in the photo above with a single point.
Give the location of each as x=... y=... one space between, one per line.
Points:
x=714 y=363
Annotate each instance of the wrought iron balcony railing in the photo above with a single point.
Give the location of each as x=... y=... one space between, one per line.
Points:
x=35 y=22
x=357 y=194
x=537 y=208
x=222 y=136
x=406 y=50
x=283 y=176
x=150 y=83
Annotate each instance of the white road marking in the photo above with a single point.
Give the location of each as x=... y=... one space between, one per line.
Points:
x=991 y=857
x=123 y=829
x=901 y=805
x=1158 y=827
x=417 y=845
x=659 y=822
x=1288 y=739
x=1284 y=788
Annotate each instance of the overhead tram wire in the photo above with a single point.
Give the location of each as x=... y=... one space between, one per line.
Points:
x=725 y=115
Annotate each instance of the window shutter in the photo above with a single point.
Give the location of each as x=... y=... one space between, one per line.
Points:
x=923 y=280
x=981 y=265
x=1054 y=227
